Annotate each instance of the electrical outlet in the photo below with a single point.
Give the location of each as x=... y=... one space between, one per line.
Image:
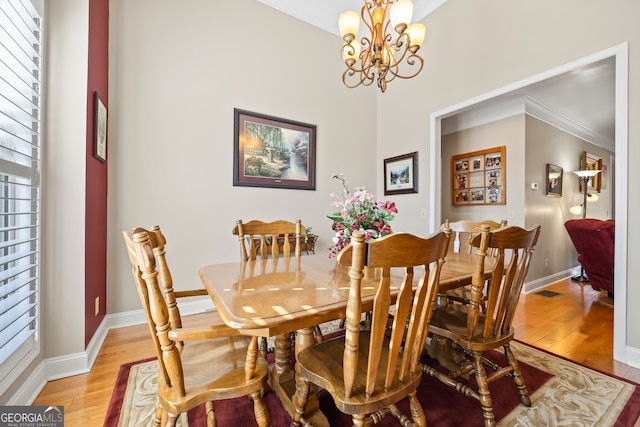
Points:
x=97 y=306
x=546 y=263
x=423 y=214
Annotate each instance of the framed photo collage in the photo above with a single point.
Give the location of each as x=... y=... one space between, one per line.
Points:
x=478 y=178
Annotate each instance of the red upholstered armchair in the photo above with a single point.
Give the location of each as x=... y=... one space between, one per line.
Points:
x=594 y=240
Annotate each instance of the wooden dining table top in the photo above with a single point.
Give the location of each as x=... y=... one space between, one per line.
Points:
x=275 y=296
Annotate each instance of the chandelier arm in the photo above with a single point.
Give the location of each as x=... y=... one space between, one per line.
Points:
x=411 y=61
x=360 y=80
x=368 y=22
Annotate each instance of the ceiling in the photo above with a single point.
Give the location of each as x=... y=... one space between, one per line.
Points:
x=324 y=13
x=580 y=101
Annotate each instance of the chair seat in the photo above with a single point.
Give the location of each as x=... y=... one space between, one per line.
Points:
x=451 y=322
x=322 y=365
x=214 y=370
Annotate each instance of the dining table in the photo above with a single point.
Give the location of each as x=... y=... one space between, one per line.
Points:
x=275 y=297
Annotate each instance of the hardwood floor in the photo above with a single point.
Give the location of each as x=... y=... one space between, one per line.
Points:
x=573 y=324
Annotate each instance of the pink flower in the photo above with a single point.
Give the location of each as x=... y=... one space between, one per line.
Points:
x=389 y=206
x=361 y=195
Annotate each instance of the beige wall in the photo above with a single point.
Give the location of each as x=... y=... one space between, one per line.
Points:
x=475 y=48
x=177 y=73
x=507 y=132
x=548 y=144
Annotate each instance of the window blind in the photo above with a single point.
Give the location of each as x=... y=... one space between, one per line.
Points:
x=20 y=74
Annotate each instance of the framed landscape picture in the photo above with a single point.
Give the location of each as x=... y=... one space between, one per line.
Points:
x=401 y=174
x=273 y=152
x=478 y=178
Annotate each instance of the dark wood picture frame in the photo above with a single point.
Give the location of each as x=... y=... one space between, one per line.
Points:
x=555 y=176
x=273 y=152
x=479 y=177
x=591 y=162
x=99 y=128
x=401 y=174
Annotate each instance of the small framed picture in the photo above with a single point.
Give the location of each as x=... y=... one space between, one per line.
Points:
x=477 y=195
x=462 y=165
x=477 y=163
x=494 y=195
x=493 y=160
x=100 y=128
x=554 y=180
x=591 y=162
x=493 y=178
x=462 y=196
x=401 y=174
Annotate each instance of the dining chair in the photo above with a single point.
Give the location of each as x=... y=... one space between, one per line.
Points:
x=261 y=239
x=463 y=231
x=468 y=331
x=195 y=364
x=368 y=371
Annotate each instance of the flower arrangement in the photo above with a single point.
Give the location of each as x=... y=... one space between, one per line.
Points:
x=359 y=210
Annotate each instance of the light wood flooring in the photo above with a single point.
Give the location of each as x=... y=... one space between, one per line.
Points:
x=573 y=324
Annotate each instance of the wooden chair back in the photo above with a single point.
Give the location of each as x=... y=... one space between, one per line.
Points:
x=141 y=245
x=513 y=247
x=258 y=238
x=405 y=344
x=465 y=230
x=217 y=364
x=462 y=333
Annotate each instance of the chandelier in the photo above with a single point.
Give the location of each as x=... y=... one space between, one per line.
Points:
x=379 y=56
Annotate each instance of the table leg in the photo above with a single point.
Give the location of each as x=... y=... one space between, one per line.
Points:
x=282 y=353
x=282 y=380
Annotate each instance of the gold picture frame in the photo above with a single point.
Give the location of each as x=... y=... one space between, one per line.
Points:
x=591 y=162
x=479 y=177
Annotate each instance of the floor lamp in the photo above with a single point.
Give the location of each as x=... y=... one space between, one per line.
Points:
x=585 y=176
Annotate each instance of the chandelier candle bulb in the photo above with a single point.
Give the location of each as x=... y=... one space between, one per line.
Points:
x=348 y=22
x=416 y=36
x=400 y=15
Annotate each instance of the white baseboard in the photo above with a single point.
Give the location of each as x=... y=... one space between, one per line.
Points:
x=633 y=356
x=81 y=363
x=534 y=285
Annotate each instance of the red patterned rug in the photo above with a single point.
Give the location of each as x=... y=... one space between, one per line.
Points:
x=563 y=394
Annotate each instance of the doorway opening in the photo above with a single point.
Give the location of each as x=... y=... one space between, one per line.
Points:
x=619 y=54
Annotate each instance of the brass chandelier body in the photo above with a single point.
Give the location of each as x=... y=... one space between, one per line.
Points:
x=378 y=57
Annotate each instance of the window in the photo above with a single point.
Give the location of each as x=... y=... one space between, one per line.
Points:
x=20 y=100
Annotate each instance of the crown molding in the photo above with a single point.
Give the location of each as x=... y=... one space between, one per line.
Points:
x=524 y=105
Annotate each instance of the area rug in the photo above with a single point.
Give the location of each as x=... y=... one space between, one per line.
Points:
x=563 y=394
